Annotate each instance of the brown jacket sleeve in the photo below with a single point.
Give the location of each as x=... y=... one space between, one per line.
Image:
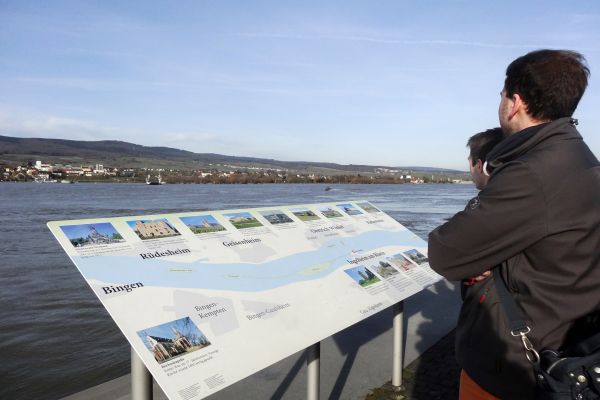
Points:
x=506 y=218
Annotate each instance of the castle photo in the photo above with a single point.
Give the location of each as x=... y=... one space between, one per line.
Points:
x=153 y=229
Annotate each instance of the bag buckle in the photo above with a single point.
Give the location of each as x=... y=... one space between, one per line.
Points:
x=532 y=355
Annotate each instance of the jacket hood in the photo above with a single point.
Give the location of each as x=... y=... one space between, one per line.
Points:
x=521 y=142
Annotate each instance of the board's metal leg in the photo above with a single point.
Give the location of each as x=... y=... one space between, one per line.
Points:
x=141 y=379
x=398 y=310
x=313 y=365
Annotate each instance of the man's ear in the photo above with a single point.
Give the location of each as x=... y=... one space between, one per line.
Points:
x=517 y=105
x=479 y=165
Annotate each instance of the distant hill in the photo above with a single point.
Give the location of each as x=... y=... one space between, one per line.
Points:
x=120 y=154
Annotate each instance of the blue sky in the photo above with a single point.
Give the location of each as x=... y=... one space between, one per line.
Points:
x=355 y=82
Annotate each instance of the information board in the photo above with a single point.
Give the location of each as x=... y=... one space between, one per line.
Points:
x=208 y=298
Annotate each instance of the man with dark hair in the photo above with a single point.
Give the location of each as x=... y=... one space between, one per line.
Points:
x=479 y=146
x=538 y=217
x=549 y=82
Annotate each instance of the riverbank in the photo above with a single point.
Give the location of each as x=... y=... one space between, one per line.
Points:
x=352 y=180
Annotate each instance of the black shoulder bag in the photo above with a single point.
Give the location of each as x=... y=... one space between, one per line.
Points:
x=571 y=373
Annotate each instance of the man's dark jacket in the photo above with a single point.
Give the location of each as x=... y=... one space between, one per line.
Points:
x=539 y=216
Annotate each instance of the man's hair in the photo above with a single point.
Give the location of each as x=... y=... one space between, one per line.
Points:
x=481 y=143
x=550 y=82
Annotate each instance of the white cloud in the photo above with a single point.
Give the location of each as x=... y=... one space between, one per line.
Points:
x=405 y=42
x=92 y=84
x=190 y=141
x=25 y=124
x=53 y=127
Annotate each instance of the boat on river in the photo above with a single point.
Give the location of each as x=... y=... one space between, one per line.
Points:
x=154 y=181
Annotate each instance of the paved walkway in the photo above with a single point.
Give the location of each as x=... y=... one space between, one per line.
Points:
x=433 y=376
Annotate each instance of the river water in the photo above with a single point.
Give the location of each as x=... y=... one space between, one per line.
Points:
x=55 y=336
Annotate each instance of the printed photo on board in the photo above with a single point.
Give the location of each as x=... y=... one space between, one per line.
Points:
x=401 y=262
x=416 y=257
x=368 y=207
x=243 y=220
x=330 y=212
x=349 y=209
x=202 y=224
x=385 y=269
x=173 y=339
x=153 y=228
x=276 y=217
x=304 y=214
x=362 y=276
x=92 y=234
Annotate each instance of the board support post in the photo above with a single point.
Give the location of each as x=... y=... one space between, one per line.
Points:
x=141 y=379
x=313 y=366
x=398 y=312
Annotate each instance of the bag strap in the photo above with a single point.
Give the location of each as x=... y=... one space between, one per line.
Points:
x=516 y=318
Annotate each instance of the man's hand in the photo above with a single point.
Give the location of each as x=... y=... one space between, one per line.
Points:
x=484 y=275
x=476 y=279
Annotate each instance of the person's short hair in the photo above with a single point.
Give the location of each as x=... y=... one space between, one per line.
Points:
x=550 y=82
x=481 y=143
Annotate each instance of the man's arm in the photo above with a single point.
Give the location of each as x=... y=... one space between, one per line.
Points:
x=507 y=218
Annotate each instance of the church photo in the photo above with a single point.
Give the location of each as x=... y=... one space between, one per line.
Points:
x=173 y=339
x=92 y=234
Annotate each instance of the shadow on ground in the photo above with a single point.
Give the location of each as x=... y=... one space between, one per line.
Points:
x=432 y=376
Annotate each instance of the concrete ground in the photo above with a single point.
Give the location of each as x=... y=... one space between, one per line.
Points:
x=433 y=376
x=355 y=363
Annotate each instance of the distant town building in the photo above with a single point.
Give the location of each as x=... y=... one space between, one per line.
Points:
x=42 y=167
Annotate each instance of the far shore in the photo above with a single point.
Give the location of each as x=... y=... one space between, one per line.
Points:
x=374 y=182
